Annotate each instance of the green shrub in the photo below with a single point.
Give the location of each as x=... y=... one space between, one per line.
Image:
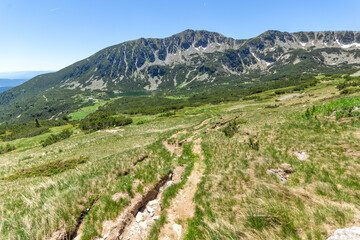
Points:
x=231 y=129
x=100 y=120
x=53 y=138
x=350 y=90
x=25 y=130
x=6 y=148
x=47 y=169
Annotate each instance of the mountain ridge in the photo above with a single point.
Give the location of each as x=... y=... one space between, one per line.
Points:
x=194 y=59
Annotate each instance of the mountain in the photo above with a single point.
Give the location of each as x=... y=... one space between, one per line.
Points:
x=187 y=61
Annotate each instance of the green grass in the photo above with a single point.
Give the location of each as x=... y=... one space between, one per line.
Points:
x=236 y=198
x=83 y=112
x=48 y=169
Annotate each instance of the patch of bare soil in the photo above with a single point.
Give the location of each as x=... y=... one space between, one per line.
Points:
x=203 y=123
x=289 y=96
x=114 y=130
x=173 y=145
x=173 y=148
x=236 y=107
x=165 y=130
x=182 y=206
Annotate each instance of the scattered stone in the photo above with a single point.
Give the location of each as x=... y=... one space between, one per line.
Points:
x=153 y=202
x=155 y=218
x=149 y=209
x=301 y=155
x=281 y=173
x=177 y=228
x=143 y=225
x=139 y=217
x=333 y=114
x=356 y=109
x=346 y=234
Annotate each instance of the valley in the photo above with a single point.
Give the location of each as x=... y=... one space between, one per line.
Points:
x=282 y=163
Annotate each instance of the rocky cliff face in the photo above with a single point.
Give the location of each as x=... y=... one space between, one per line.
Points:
x=202 y=56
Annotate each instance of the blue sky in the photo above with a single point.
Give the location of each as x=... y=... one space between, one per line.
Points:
x=51 y=34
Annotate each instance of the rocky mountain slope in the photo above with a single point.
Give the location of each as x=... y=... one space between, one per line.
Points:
x=192 y=59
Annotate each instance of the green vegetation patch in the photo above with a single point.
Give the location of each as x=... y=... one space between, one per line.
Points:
x=85 y=111
x=101 y=120
x=6 y=148
x=345 y=107
x=53 y=138
x=29 y=129
x=48 y=169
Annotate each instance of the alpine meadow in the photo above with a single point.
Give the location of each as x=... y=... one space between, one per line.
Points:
x=192 y=136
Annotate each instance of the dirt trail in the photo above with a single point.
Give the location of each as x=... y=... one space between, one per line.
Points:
x=136 y=220
x=173 y=146
x=203 y=123
x=182 y=206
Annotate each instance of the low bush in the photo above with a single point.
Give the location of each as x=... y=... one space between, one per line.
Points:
x=53 y=138
x=231 y=129
x=6 y=148
x=102 y=120
x=48 y=169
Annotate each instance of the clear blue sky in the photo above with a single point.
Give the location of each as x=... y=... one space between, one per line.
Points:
x=51 y=34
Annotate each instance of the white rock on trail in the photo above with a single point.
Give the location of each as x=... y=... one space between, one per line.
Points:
x=153 y=202
x=346 y=234
x=149 y=209
x=143 y=225
x=177 y=228
x=139 y=217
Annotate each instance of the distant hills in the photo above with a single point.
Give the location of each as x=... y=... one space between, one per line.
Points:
x=21 y=74
x=187 y=61
x=3 y=89
x=9 y=80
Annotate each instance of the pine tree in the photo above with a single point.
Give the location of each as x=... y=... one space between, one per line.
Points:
x=37 y=123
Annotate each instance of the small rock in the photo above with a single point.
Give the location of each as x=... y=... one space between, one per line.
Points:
x=346 y=234
x=153 y=202
x=143 y=225
x=356 y=109
x=155 y=217
x=279 y=173
x=301 y=155
x=177 y=228
x=149 y=209
x=333 y=114
x=139 y=217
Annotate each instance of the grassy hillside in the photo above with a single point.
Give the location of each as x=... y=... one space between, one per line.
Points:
x=278 y=164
